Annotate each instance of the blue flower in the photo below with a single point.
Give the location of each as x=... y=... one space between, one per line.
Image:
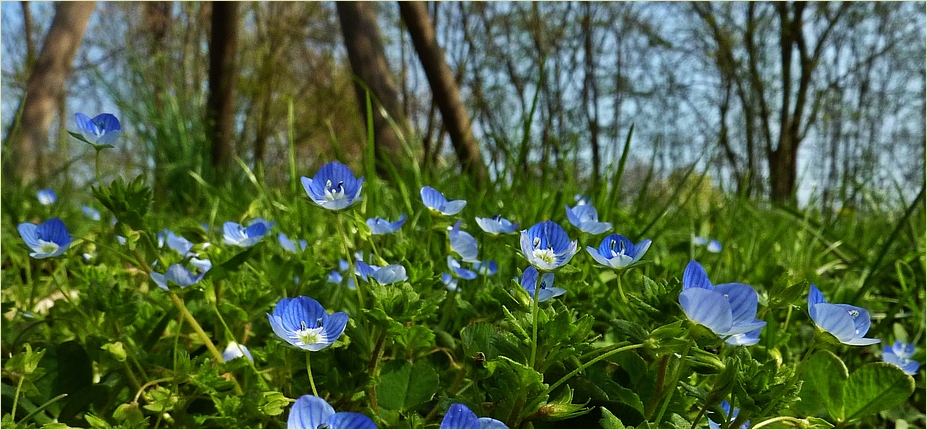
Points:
x=486 y=268
x=46 y=196
x=547 y=246
x=585 y=218
x=91 y=212
x=847 y=323
x=102 y=129
x=744 y=339
x=529 y=281
x=235 y=350
x=385 y=275
x=289 y=245
x=462 y=243
x=438 y=204
x=334 y=187
x=713 y=245
x=459 y=416
x=900 y=354
x=382 y=226
x=617 y=251
x=449 y=281
x=726 y=309
x=49 y=239
x=581 y=199
x=459 y=271
x=175 y=242
x=180 y=275
x=334 y=277
x=496 y=225
x=311 y=412
x=238 y=235
x=730 y=416
x=304 y=323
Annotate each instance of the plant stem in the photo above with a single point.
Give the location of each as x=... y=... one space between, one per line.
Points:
x=534 y=320
x=178 y=302
x=19 y=387
x=263 y=383
x=624 y=299
x=309 y=371
x=796 y=422
x=96 y=169
x=347 y=253
x=682 y=366
x=586 y=365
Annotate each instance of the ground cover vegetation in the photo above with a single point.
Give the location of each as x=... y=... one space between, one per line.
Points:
x=244 y=252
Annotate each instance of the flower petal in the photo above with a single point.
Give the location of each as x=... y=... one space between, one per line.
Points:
x=708 y=308
x=835 y=320
x=309 y=412
x=459 y=416
x=695 y=277
x=350 y=420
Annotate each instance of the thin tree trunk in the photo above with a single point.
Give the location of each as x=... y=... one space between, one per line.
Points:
x=444 y=88
x=590 y=94
x=222 y=77
x=30 y=41
x=43 y=88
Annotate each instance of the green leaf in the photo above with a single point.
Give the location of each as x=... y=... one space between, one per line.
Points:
x=273 y=403
x=609 y=420
x=404 y=386
x=116 y=349
x=875 y=387
x=824 y=376
x=221 y=271
x=96 y=422
x=476 y=339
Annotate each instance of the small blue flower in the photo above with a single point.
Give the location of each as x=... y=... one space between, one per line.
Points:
x=585 y=218
x=235 y=350
x=529 y=281
x=617 y=251
x=334 y=277
x=459 y=271
x=102 y=129
x=486 y=268
x=459 y=416
x=847 y=323
x=730 y=416
x=449 y=281
x=91 y=212
x=311 y=412
x=581 y=199
x=714 y=246
x=49 y=239
x=238 y=235
x=745 y=339
x=175 y=242
x=180 y=275
x=438 y=204
x=334 y=187
x=385 y=275
x=496 y=225
x=547 y=246
x=305 y=324
x=46 y=196
x=382 y=226
x=900 y=354
x=289 y=245
x=462 y=243
x=726 y=309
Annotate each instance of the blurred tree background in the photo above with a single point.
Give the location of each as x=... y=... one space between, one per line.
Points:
x=820 y=104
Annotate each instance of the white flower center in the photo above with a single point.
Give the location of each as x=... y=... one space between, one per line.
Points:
x=334 y=193
x=310 y=335
x=47 y=247
x=617 y=249
x=853 y=313
x=545 y=255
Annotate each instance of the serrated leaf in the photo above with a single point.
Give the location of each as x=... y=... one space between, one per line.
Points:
x=875 y=387
x=476 y=338
x=273 y=403
x=403 y=386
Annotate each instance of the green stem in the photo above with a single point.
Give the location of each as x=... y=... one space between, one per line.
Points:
x=796 y=422
x=263 y=383
x=682 y=366
x=586 y=365
x=624 y=299
x=96 y=169
x=350 y=258
x=309 y=371
x=41 y=408
x=534 y=319
x=19 y=387
x=178 y=302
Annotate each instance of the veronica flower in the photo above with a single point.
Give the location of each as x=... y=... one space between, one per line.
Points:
x=581 y=199
x=496 y=225
x=311 y=412
x=744 y=339
x=180 y=275
x=847 y=323
x=175 y=242
x=235 y=350
x=900 y=354
x=462 y=243
x=305 y=324
x=486 y=268
x=90 y=212
x=731 y=416
x=49 y=239
x=713 y=245
x=289 y=245
x=547 y=246
x=238 y=235
x=449 y=281
x=382 y=226
x=459 y=271
x=334 y=187
x=529 y=281
x=102 y=129
x=585 y=218
x=459 y=416
x=385 y=275
x=617 y=251
x=438 y=204
x=46 y=196
x=726 y=309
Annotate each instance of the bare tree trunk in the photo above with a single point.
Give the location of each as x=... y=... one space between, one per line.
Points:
x=45 y=84
x=30 y=41
x=223 y=73
x=591 y=94
x=368 y=62
x=444 y=88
